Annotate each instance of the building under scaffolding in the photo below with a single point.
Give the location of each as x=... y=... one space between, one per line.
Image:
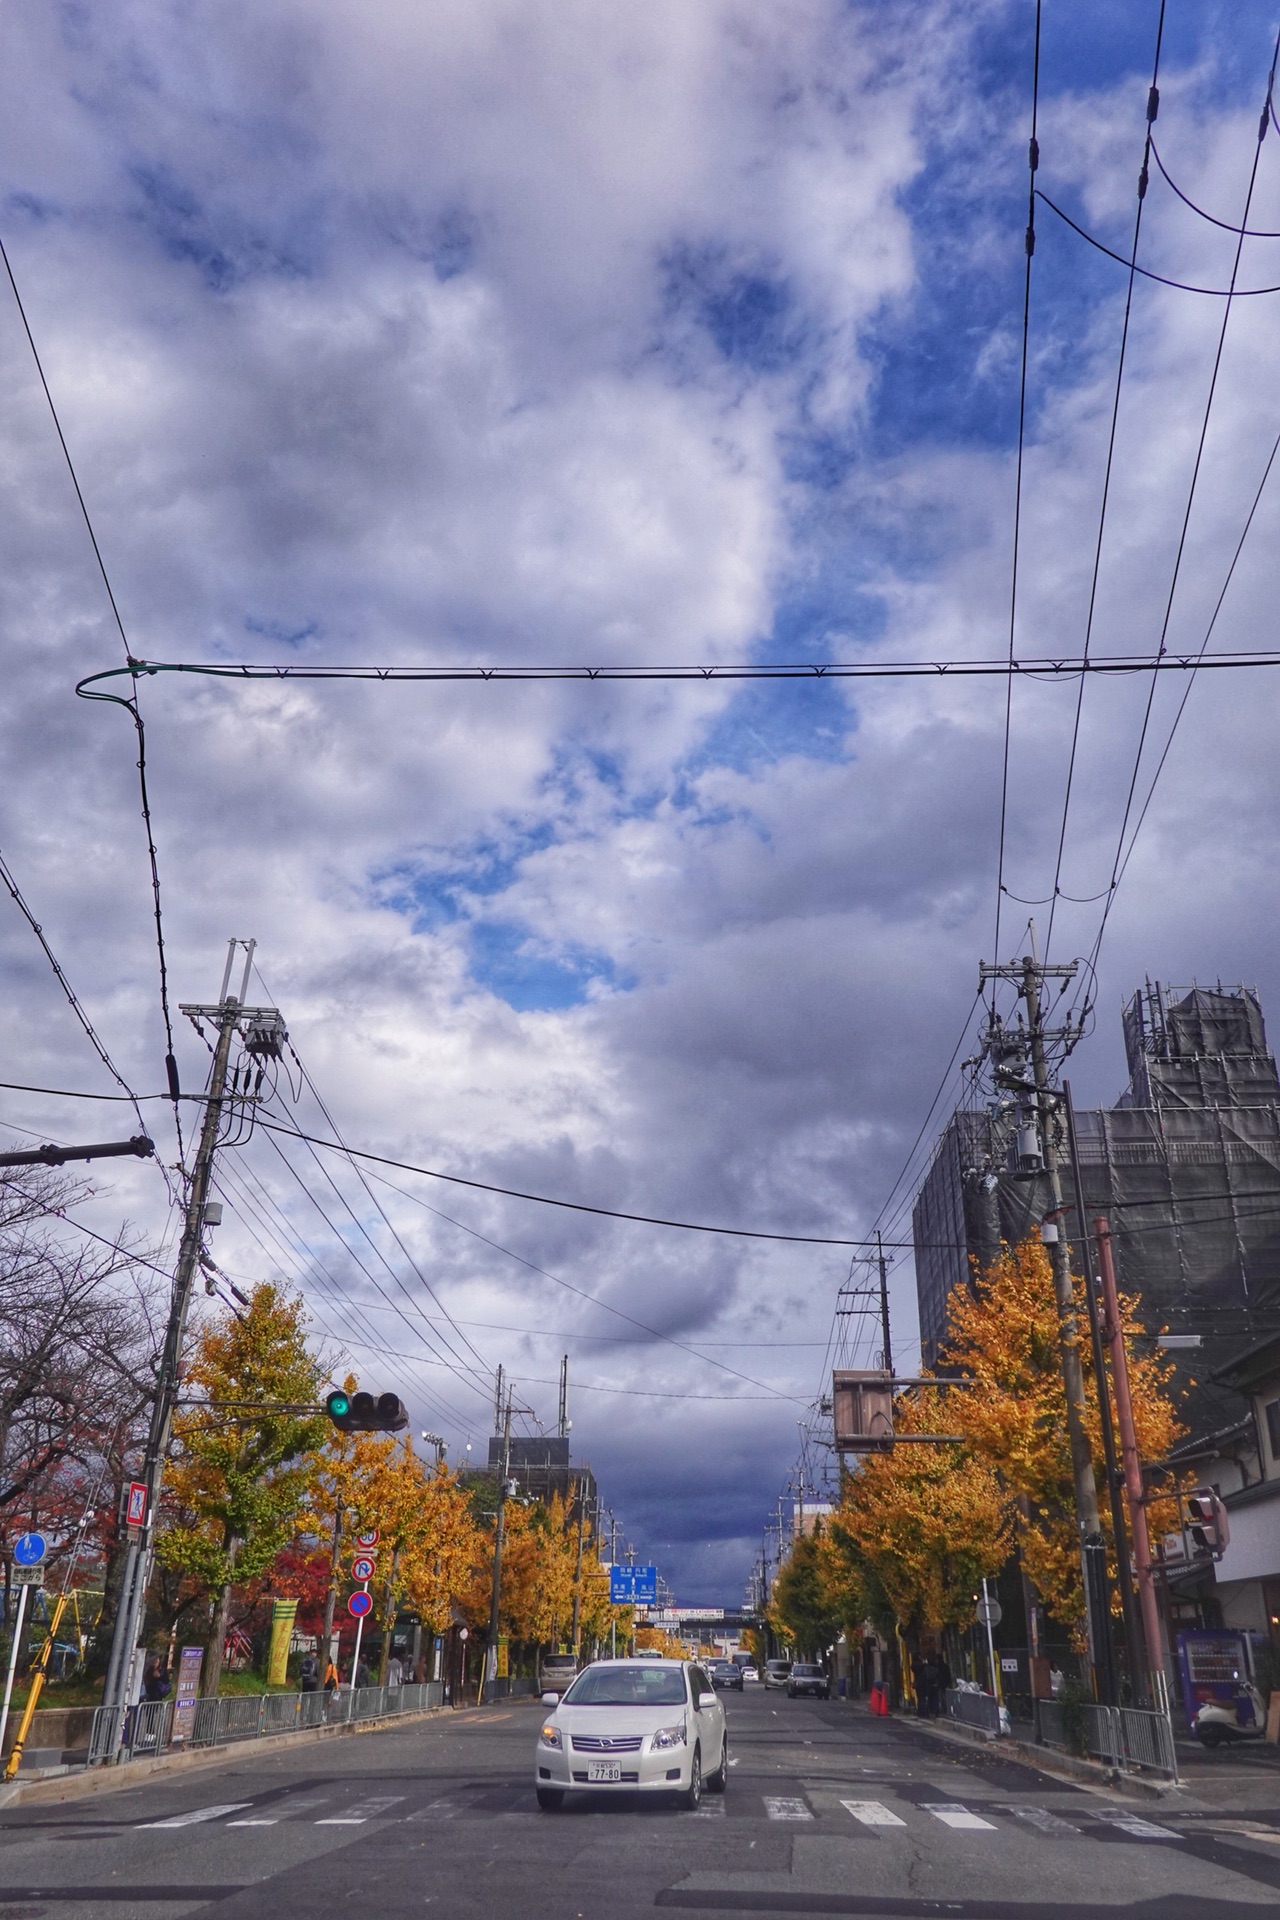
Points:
x=1186 y=1166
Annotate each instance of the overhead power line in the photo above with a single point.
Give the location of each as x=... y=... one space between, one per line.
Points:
x=1038 y=667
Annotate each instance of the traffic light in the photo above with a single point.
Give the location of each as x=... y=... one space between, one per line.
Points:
x=362 y=1413
x=1205 y=1523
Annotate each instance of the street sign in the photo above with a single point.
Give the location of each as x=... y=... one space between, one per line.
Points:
x=359 y=1605
x=135 y=1512
x=29 y=1549
x=990 y=1612
x=368 y=1539
x=633 y=1586
x=28 y=1576
x=362 y=1567
x=463 y=1632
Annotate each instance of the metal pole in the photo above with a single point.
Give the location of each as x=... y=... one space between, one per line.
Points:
x=1115 y=1479
x=355 y=1657
x=1132 y=1466
x=23 y=1591
x=133 y=1584
x=991 y=1644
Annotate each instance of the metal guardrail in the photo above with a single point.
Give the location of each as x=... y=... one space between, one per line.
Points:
x=973 y=1709
x=137 y=1733
x=1127 y=1738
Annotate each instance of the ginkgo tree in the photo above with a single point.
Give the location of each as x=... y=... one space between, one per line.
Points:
x=1003 y=1336
x=237 y=1486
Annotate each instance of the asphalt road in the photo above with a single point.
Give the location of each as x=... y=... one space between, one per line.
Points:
x=827 y=1812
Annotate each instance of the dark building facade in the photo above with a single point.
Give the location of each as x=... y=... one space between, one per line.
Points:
x=1186 y=1166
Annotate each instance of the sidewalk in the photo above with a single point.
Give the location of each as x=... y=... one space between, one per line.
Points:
x=1243 y=1779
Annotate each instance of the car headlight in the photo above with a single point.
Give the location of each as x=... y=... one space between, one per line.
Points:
x=668 y=1737
x=550 y=1735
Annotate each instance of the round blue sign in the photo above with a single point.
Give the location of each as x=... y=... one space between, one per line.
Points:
x=29 y=1549
x=360 y=1604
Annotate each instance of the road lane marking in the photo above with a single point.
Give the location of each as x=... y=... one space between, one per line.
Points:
x=1041 y=1817
x=363 y=1810
x=285 y=1810
x=1134 y=1825
x=953 y=1815
x=778 y=1808
x=872 y=1813
x=200 y=1813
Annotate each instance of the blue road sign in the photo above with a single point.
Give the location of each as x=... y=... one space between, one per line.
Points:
x=29 y=1549
x=360 y=1604
x=633 y=1586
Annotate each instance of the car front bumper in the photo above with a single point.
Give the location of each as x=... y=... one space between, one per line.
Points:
x=663 y=1772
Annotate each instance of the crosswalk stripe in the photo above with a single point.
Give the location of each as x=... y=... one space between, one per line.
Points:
x=200 y=1813
x=1134 y=1825
x=1041 y=1817
x=778 y=1808
x=362 y=1811
x=953 y=1815
x=872 y=1813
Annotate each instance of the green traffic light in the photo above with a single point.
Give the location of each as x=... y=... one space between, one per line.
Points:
x=338 y=1405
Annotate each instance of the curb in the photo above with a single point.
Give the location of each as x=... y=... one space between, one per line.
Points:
x=1056 y=1764
x=82 y=1782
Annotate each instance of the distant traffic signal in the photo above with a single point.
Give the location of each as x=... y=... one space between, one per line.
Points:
x=362 y=1413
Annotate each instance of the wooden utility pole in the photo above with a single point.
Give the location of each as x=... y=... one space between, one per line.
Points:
x=495 y=1599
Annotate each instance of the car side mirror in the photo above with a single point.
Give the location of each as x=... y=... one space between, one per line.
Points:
x=706 y=1700
x=551 y=1699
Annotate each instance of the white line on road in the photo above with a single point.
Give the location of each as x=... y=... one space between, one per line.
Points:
x=780 y=1809
x=201 y=1813
x=1134 y=1826
x=362 y=1811
x=952 y=1815
x=872 y=1813
x=1041 y=1817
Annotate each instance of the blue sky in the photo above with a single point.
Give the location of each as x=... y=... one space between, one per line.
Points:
x=574 y=333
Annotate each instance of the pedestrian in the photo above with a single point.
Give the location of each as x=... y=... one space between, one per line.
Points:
x=309 y=1673
x=395 y=1671
x=946 y=1679
x=331 y=1680
x=155 y=1679
x=361 y=1675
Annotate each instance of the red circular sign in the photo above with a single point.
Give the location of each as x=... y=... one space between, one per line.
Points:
x=369 y=1539
x=362 y=1567
x=360 y=1604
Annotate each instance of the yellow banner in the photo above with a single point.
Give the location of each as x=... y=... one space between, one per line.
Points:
x=283 y=1615
x=502 y=1656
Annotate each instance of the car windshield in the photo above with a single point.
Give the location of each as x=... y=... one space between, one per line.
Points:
x=812 y=1672
x=608 y=1686
x=779 y=1666
x=559 y=1660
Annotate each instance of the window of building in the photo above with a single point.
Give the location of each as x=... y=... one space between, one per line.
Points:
x=1272 y=1411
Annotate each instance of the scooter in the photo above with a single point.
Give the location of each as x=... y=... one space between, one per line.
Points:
x=1222 y=1721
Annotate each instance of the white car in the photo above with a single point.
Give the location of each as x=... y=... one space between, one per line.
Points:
x=628 y=1726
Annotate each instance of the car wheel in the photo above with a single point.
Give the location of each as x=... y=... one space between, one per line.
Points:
x=550 y=1799
x=719 y=1780
x=691 y=1798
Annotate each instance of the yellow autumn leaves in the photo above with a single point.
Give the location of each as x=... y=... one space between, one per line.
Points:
x=917 y=1528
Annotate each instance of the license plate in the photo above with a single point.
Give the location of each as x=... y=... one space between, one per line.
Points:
x=604 y=1770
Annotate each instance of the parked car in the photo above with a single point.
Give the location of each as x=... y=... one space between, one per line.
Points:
x=640 y=1726
x=777 y=1673
x=808 y=1679
x=556 y=1672
x=725 y=1674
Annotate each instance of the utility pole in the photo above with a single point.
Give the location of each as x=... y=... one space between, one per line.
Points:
x=1152 y=1634
x=264 y=1034
x=504 y=1468
x=497 y=1403
x=1114 y=1475
x=887 y=1360
x=331 y=1593
x=613 y=1561
x=1030 y=975
x=562 y=1427
x=577 y=1578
